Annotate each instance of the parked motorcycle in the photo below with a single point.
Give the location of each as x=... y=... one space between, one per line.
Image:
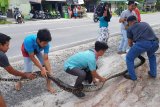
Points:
x=18 y=16
x=2 y=16
x=55 y=14
x=40 y=15
x=58 y=14
x=95 y=17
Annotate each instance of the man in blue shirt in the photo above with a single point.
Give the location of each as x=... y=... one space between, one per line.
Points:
x=145 y=40
x=33 y=45
x=76 y=64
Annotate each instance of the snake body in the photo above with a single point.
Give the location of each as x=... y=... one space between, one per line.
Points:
x=69 y=88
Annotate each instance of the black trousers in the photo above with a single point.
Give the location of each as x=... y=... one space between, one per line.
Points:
x=83 y=75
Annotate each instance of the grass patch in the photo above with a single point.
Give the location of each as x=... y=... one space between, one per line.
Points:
x=142 y=12
x=5 y=22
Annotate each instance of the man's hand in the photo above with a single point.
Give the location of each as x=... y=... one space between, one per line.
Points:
x=130 y=42
x=103 y=79
x=122 y=20
x=30 y=75
x=44 y=72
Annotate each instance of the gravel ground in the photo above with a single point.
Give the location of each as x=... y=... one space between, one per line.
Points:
x=37 y=87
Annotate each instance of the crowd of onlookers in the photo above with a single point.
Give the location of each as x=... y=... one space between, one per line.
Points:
x=76 y=11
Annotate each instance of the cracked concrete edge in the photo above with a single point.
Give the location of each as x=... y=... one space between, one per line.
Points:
x=61 y=47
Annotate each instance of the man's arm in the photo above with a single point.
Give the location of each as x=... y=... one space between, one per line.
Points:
x=12 y=71
x=46 y=62
x=122 y=17
x=35 y=61
x=5 y=64
x=130 y=37
x=130 y=42
x=122 y=20
x=96 y=75
x=2 y=102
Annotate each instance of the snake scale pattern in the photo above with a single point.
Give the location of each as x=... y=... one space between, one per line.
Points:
x=69 y=88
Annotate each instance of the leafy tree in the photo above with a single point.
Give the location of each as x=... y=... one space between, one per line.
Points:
x=140 y=1
x=4 y=5
x=158 y=5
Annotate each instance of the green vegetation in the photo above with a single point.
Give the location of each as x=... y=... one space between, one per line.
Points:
x=149 y=12
x=4 y=5
x=4 y=22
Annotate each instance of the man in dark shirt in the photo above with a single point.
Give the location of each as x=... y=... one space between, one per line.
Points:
x=141 y=38
x=4 y=46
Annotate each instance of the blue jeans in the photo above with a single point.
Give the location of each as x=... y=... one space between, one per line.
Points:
x=124 y=41
x=138 y=48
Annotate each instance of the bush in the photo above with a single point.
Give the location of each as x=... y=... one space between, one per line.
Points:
x=3 y=21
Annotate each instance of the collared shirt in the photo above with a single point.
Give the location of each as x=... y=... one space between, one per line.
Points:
x=82 y=60
x=31 y=45
x=126 y=14
x=141 y=31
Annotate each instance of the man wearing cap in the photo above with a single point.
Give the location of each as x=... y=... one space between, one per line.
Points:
x=141 y=38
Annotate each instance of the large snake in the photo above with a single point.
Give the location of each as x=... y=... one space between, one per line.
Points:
x=69 y=88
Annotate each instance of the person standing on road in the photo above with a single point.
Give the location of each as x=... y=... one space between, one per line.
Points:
x=141 y=38
x=75 y=12
x=33 y=45
x=103 y=23
x=70 y=11
x=4 y=46
x=124 y=25
x=83 y=65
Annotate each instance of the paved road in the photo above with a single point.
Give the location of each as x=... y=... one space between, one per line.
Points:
x=63 y=31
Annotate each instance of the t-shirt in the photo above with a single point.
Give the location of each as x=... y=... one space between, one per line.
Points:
x=126 y=14
x=3 y=60
x=103 y=22
x=82 y=60
x=141 y=31
x=31 y=45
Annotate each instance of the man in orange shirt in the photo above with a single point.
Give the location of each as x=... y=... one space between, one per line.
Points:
x=136 y=10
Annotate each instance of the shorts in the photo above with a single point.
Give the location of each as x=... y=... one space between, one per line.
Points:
x=28 y=64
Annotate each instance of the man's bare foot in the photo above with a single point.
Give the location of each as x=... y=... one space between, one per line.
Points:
x=18 y=86
x=51 y=90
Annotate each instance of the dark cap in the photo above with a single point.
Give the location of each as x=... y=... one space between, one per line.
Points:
x=131 y=18
x=130 y=2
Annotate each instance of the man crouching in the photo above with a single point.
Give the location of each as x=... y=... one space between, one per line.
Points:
x=76 y=64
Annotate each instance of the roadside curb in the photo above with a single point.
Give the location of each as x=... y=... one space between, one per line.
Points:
x=61 y=47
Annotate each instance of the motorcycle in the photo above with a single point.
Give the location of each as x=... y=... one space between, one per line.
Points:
x=2 y=16
x=40 y=15
x=18 y=16
x=58 y=14
x=95 y=17
x=53 y=14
